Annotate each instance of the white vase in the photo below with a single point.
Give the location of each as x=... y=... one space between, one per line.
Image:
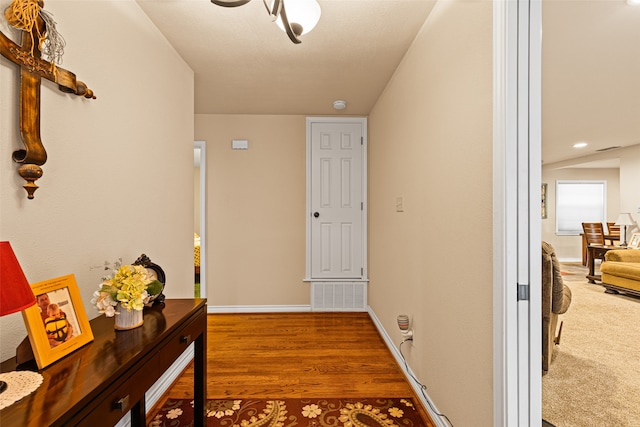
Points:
x=127 y=319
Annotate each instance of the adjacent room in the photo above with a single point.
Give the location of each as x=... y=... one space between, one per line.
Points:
x=590 y=142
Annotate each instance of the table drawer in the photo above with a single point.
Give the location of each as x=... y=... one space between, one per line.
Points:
x=179 y=343
x=119 y=399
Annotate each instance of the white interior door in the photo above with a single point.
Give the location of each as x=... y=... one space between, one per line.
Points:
x=337 y=199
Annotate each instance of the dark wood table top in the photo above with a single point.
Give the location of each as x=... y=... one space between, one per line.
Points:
x=80 y=377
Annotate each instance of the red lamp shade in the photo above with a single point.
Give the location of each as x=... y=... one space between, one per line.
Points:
x=15 y=292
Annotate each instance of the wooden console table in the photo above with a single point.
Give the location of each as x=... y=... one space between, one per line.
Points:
x=102 y=381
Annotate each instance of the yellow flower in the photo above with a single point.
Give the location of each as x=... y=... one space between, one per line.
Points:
x=127 y=286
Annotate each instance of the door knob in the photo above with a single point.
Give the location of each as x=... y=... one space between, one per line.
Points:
x=316 y=214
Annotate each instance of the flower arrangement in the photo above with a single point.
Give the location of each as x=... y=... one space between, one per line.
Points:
x=128 y=285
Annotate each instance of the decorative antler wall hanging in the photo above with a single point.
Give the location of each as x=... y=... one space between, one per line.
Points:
x=39 y=37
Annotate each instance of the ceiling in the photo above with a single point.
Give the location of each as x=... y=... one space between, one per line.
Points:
x=590 y=77
x=244 y=64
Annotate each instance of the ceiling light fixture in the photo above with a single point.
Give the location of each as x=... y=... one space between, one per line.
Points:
x=580 y=145
x=300 y=18
x=339 y=104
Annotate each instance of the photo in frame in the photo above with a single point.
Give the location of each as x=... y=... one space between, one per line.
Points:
x=57 y=325
x=634 y=242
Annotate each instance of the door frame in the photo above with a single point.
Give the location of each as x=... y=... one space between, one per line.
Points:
x=517 y=78
x=308 y=211
x=202 y=146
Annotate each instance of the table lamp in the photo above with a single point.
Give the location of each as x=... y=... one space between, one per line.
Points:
x=624 y=220
x=15 y=292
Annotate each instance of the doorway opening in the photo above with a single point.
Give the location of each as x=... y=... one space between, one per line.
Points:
x=199 y=218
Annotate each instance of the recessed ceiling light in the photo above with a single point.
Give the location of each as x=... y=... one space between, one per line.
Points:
x=580 y=145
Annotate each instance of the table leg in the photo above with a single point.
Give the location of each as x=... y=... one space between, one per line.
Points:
x=596 y=252
x=591 y=262
x=138 y=414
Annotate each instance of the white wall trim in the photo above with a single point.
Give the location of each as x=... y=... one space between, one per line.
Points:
x=517 y=388
x=160 y=387
x=258 y=309
x=505 y=376
x=202 y=146
x=426 y=401
x=164 y=382
x=570 y=260
x=534 y=119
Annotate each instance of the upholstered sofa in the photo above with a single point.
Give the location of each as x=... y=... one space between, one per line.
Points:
x=556 y=298
x=621 y=271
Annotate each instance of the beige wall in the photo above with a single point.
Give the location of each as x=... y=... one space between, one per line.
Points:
x=255 y=209
x=630 y=183
x=431 y=143
x=119 y=178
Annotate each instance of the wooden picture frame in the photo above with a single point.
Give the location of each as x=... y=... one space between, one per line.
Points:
x=634 y=242
x=64 y=328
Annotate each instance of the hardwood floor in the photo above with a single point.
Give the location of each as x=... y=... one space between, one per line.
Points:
x=296 y=355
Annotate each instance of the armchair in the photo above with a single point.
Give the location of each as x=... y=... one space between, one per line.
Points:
x=556 y=298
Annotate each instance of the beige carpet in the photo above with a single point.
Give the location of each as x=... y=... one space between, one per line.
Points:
x=594 y=379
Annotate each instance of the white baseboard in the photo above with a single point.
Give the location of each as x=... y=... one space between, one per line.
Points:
x=258 y=308
x=427 y=403
x=162 y=385
x=570 y=259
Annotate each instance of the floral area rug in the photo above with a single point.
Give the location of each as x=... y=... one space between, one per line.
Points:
x=293 y=412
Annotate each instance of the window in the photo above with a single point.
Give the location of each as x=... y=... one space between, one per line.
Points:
x=578 y=202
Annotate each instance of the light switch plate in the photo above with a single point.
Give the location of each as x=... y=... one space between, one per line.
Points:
x=240 y=144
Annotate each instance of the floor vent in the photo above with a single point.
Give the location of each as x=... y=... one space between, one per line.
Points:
x=338 y=296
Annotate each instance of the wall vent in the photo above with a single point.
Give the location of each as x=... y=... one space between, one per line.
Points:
x=338 y=296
